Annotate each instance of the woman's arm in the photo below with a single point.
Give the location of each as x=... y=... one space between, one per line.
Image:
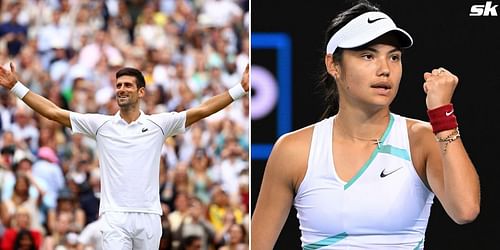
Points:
x=284 y=171
x=451 y=175
x=450 y=172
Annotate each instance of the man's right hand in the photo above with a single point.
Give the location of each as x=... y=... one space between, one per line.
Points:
x=38 y=103
x=8 y=77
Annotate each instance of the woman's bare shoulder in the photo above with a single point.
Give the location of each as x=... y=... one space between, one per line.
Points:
x=297 y=140
x=418 y=128
x=290 y=155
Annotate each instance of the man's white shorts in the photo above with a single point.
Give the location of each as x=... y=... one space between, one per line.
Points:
x=127 y=231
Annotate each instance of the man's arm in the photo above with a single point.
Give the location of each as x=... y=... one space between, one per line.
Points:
x=217 y=102
x=38 y=103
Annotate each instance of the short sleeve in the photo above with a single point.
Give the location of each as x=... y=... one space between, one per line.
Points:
x=172 y=123
x=87 y=124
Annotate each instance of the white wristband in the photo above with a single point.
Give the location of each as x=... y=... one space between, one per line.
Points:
x=19 y=90
x=236 y=92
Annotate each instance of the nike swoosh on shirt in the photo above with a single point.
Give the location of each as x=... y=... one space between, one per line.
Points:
x=374 y=20
x=384 y=173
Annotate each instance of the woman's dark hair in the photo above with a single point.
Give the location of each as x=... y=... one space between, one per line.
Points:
x=20 y=235
x=141 y=83
x=327 y=82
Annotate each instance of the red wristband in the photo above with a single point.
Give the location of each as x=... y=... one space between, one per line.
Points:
x=442 y=118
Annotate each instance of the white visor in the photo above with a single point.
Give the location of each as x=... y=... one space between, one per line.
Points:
x=364 y=29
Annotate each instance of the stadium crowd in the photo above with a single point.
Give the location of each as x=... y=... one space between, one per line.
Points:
x=69 y=52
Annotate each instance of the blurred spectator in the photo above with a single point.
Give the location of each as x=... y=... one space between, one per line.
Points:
x=86 y=22
x=181 y=179
x=243 y=57
x=221 y=13
x=21 y=235
x=236 y=238
x=4 y=169
x=25 y=240
x=7 y=153
x=82 y=149
x=199 y=176
x=222 y=214
x=121 y=24
x=228 y=171
x=196 y=223
x=192 y=242
x=229 y=132
x=166 y=184
x=222 y=235
x=62 y=234
x=59 y=63
x=167 y=234
x=30 y=69
x=21 y=232
x=91 y=237
x=175 y=218
x=24 y=128
x=163 y=70
x=196 y=137
x=231 y=74
x=244 y=190
x=91 y=53
x=21 y=200
x=7 y=104
x=169 y=153
x=12 y=31
x=47 y=169
x=82 y=97
x=22 y=164
x=55 y=29
x=67 y=204
x=52 y=135
x=149 y=27
x=88 y=193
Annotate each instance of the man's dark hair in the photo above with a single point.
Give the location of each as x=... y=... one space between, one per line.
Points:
x=327 y=84
x=141 y=83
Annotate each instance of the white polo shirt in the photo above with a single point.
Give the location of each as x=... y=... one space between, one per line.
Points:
x=129 y=157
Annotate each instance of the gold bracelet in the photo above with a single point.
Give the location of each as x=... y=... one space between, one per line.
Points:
x=448 y=139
